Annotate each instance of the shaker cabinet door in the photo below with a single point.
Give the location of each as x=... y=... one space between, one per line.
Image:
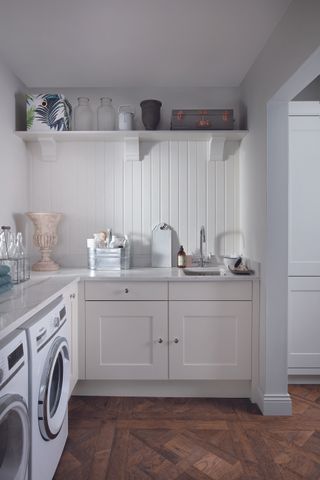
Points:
x=210 y=340
x=126 y=340
x=304 y=195
x=304 y=324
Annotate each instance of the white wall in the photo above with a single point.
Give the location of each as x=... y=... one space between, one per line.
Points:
x=174 y=183
x=263 y=211
x=310 y=93
x=13 y=160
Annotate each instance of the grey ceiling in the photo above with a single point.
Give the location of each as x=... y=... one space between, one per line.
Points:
x=97 y=43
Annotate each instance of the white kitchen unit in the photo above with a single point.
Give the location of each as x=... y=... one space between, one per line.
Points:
x=161 y=330
x=304 y=241
x=71 y=302
x=304 y=326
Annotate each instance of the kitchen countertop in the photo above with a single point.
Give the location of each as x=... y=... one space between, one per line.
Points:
x=146 y=275
x=28 y=298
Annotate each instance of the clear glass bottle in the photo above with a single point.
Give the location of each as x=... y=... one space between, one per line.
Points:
x=20 y=256
x=106 y=115
x=83 y=116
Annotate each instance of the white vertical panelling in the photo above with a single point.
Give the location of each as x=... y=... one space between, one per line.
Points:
x=174 y=185
x=238 y=240
x=100 y=190
x=164 y=183
x=201 y=186
x=183 y=195
x=155 y=185
x=119 y=188
x=137 y=208
x=192 y=197
x=220 y=209
x=108 y=175
x=95 y=188
x=146 y=206
x=211 y=206
x=229 y=205
x=128 y=198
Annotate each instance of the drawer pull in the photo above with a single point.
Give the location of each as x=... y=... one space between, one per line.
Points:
x=160 y=340
x=126 y=290
x=176 y=340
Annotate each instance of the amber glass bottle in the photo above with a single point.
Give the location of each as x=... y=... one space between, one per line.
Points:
x=181 y=258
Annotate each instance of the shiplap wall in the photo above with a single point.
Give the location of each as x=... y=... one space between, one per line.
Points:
x=96 y=189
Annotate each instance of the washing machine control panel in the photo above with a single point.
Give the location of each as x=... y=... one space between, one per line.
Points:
x=12 y=356
x=50 y=325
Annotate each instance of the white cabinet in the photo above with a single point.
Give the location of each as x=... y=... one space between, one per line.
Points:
x=126 y=340
x=304 y=193
x=206 y=336
x=210 y=340
x=71 y=301
x=304 y=325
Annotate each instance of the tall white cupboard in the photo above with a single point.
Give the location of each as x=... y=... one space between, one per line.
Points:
x=304 y=239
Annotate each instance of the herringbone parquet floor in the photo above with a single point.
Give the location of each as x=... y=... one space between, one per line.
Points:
x=183 y=439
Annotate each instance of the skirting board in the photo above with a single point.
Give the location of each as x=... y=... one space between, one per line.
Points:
x=150 y=388
x=274 y=404
x=304 y=379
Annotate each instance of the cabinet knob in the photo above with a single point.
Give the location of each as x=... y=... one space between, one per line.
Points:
x=176 y=340
x=126 y=290
x=160 y=340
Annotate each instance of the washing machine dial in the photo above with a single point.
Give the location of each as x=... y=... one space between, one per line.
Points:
x=56 y=322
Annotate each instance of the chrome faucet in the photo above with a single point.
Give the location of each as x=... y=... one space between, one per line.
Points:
x=202 y=241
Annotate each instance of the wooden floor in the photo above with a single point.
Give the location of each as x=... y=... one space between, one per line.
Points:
x=184 y=439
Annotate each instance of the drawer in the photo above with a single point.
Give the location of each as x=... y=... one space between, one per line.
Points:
x=240 y=290
x=126 y=290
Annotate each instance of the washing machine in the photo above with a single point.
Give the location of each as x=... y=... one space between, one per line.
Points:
x=14 y=417
x=48 y=335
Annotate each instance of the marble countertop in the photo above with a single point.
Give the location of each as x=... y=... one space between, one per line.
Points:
x=28 y=298
x=147 y=275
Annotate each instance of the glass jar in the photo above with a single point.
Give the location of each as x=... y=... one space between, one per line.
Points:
x=83 y=116
x=106 y=115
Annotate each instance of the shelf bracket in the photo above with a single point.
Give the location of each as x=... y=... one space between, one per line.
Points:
x=131 y=149
x=48 y=149
x=216 y=149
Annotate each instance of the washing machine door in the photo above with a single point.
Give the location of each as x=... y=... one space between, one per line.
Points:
x=54 y=390
x=14 y=438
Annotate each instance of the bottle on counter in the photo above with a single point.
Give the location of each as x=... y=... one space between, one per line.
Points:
x=181 y=258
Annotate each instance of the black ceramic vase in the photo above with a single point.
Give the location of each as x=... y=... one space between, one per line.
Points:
x=150 y=113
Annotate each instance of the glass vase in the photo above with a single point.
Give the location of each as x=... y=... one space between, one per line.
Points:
x=106 y=115
x=83 y=116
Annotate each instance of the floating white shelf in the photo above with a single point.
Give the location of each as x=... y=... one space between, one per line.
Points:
x=214 y=138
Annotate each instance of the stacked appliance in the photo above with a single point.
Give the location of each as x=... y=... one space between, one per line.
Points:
x=14 y=417
x=48 y=334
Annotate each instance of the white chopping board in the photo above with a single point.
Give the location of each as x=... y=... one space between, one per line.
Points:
x=161 y=246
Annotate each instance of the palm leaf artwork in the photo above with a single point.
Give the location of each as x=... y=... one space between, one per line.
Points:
x=30 y=111
x=30 y=117
x=52 y=112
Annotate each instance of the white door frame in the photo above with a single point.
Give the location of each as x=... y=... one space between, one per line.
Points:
x=274 y=398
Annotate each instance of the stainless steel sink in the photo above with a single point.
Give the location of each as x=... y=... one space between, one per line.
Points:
x=204 y=271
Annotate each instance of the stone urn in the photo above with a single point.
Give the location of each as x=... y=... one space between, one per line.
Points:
x=150 y=113
x=45 y=237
